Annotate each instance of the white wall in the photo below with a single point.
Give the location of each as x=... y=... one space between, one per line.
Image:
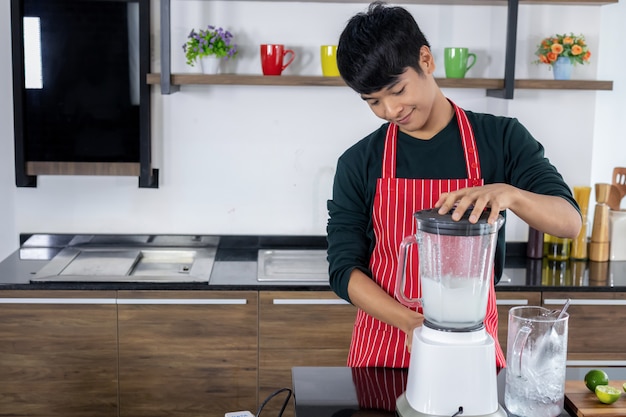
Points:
x=260 y=160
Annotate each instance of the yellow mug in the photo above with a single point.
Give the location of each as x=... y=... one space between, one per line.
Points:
x=328 y=54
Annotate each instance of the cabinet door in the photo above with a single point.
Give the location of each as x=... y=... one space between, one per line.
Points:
x=187 y=353
x=507 y=300
x=298 y=328
x=58 y=353
x=595 y=325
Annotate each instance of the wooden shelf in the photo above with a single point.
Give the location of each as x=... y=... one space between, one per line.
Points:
x=320 y=81
x=564 y=85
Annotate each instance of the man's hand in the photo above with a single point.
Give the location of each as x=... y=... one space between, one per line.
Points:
x=496 y=197
x=549 y=214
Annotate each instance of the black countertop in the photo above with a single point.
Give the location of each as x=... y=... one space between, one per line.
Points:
x=235 y=266
x=351 y=392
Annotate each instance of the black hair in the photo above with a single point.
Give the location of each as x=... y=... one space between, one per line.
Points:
x=377 y=46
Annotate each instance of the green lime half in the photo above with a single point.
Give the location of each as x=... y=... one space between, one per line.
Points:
x=607 y=394
x=624 y=386
x=594 y=378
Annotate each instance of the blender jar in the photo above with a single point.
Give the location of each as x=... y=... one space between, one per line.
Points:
x=455 y=265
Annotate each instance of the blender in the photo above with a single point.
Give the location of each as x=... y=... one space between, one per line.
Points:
x=452 y=370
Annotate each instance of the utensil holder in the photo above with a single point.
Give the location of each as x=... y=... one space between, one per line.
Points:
x=617 y=235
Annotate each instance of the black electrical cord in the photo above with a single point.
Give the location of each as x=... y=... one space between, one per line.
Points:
x=272 y=395
x=458 y=413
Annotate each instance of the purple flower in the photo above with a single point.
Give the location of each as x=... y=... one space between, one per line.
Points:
x=213 y=41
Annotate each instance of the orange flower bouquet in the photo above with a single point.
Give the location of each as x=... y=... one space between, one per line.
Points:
x=557 y=46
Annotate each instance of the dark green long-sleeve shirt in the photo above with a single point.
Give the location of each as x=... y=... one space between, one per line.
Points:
x=507 y=152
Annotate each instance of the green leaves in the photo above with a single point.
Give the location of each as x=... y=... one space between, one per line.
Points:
x=212 y=41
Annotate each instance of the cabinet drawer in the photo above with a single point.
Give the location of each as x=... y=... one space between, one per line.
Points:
x=595 y=324
x=58 y=354
x=304 y=320
x=187 y=353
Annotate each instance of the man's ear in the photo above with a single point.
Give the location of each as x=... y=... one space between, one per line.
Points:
x=427 y=61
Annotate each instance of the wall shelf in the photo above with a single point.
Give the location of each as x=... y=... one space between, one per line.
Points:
x=320 y=81
x=495 y=87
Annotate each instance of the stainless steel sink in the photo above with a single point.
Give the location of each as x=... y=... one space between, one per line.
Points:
x=129 y=264
x=292 y=265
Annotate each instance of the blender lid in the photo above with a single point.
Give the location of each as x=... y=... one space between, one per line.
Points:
x=430 y=221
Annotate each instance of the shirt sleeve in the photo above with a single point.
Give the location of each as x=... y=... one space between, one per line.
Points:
x=349 y=243
x=528 y=168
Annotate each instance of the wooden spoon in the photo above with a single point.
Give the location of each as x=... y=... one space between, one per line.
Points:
x=619 y=181
x=614 y=198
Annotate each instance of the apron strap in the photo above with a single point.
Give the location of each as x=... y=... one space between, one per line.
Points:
x=468 y=141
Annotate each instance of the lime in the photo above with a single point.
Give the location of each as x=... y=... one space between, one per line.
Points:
x=607 y=394
x=594 y=378
x=624 y=386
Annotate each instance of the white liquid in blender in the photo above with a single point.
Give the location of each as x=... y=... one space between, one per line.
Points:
x=460 y=302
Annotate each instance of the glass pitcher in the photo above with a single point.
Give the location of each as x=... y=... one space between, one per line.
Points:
x=536 y=355
x=455 y=268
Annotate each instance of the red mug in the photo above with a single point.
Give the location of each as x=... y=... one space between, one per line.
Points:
x=273 y=58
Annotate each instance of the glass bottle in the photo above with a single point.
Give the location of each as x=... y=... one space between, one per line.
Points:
x=556 y=248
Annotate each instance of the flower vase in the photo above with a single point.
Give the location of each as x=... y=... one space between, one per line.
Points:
x=562 y=68
x=210 y=64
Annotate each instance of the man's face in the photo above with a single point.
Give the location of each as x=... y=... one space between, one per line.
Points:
x=409 y=101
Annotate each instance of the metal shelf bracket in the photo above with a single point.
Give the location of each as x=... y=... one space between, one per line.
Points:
x=166 y=46
x=509 y=59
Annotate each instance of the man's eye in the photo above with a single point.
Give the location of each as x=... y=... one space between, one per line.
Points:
x=373 y=102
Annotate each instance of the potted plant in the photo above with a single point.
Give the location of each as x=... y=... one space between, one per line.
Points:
x=213 y=43
x=561 y=52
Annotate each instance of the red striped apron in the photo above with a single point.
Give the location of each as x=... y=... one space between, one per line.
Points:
x=375 y=343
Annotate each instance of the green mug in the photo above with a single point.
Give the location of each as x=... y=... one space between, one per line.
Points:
x=458 y=61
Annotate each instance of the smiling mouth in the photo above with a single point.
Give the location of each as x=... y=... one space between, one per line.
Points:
x=404 y=119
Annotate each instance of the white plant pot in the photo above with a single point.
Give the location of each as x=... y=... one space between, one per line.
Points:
x=210 y=65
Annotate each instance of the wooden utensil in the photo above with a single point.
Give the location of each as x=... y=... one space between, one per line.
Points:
x=614 y=199
x=619 y=180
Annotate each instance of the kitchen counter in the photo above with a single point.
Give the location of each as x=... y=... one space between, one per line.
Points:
x=345 y=392
x=235 y=267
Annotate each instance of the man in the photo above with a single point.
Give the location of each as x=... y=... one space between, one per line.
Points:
x=430 y=153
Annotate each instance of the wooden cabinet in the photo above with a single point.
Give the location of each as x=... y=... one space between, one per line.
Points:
x=298 y=328
x=505 y=301
x=192 y=353
x=58 y=354
x=187 y=353
x=595 y=324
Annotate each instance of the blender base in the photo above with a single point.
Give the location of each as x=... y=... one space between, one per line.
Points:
x=403 y=409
